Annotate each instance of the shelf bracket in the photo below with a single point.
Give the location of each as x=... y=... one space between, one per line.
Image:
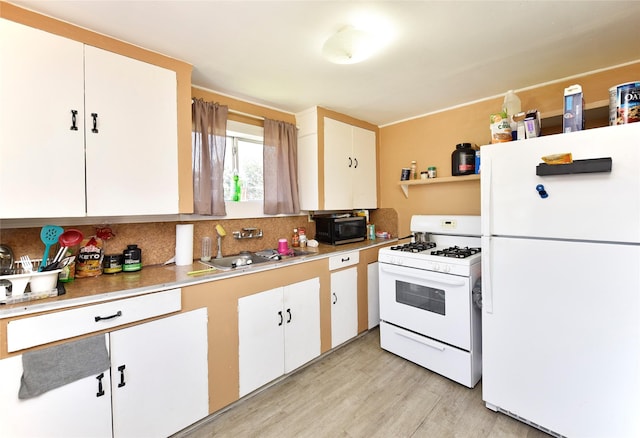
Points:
x=405 y=190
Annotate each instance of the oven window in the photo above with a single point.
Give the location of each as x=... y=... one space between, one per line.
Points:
x=422 y=297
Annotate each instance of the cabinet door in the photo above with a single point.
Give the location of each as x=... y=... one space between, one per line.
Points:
x=41 y=83
x=373 y=294
x=163 y=386
x=72 y=410
x=132 y=160
x=302 y=323
x=338 y=165
x=344 y=305
x=261 y=339
x=364 y=172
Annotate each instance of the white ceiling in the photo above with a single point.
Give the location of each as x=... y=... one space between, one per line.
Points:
x=441 y=53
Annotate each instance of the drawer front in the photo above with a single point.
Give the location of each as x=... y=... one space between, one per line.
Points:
x=39 y=330
x=343 y=260
x=441 y=358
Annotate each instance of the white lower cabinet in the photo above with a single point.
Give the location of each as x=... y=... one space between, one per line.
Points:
x=156 y=386
x=73 y=410
x=344 y=305
x=279 y=330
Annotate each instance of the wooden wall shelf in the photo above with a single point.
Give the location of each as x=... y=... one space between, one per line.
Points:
x=404 y=185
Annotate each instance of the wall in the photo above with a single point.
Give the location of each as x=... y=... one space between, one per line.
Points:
x=432 y=138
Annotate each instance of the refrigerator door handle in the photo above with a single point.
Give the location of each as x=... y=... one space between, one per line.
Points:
x=487 y=288
x=485 y=197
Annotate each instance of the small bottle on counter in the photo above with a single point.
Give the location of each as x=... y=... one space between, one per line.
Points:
x=371 y=231
x=414 y=170
x=432 y=172
x=303 y=237
x=132 y=259
x=295 y=239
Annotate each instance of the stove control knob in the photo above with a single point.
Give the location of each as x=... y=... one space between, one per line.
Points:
x=435 y=267
x=446 y=268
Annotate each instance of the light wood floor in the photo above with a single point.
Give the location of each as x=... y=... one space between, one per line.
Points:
x=358 y=391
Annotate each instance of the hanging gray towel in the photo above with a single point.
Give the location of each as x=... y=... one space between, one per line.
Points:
x=50 y=368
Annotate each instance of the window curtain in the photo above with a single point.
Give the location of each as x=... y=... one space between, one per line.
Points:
x=280 y=168
x=209 y=141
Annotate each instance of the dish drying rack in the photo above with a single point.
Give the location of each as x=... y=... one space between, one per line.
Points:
x=18 y=280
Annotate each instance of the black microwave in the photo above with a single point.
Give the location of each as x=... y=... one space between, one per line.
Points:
x=338 y=230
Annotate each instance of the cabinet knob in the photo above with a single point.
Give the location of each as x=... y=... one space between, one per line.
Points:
x=335 y=297
x=281 y=318
x=289 y=313
x=350 y=162
x=356 y=161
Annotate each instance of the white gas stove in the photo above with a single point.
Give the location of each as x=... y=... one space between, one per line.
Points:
x=427 y=308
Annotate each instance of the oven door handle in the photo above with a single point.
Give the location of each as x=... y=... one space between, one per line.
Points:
x=420 y=340
x=407 y=273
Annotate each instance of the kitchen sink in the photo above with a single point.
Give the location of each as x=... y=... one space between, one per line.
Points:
x=238 y=261
x=273 y=254
x=248 y=259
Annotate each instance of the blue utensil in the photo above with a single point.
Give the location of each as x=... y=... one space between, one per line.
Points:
x=49 y=236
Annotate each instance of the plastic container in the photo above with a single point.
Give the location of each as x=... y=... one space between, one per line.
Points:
x=112 y=264
x=512 y=106
x=432 y=172
x=132 y=259
x=624 y=103
x=283 y=246
x=463 y=160
x=414 y=170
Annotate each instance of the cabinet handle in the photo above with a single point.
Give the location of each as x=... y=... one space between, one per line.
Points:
x=100 y=392
x=122 y=382
x=335 y=298
x=102 y=318
x=281 y=318
x=356 y=166
x=350 y=162
x=95 y=123
x=289 y=313
x=74 y=113
x=346 y=260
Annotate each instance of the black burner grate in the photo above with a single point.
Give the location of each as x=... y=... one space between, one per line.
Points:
x=414 y=247
x=456 y=252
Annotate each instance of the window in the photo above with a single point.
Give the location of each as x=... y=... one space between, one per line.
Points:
x=243 y=169
x=243 y=158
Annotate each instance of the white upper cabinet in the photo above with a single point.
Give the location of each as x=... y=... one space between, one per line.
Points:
x=51 y=88
x=132 y=161
x=41 y=157
x=346 y=179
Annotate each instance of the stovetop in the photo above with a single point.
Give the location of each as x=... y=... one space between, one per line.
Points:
x=452 y=245
x=429 y=248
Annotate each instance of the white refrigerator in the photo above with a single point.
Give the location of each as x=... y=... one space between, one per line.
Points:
x=561 y=282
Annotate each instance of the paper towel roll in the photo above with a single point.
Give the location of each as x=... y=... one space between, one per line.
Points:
x=184 y=244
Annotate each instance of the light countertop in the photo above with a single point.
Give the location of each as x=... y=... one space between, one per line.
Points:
x=162 y=277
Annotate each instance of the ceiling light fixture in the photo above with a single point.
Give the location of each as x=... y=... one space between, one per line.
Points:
x=349 y=46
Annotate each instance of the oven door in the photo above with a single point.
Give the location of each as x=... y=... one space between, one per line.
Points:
x=430 y=303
